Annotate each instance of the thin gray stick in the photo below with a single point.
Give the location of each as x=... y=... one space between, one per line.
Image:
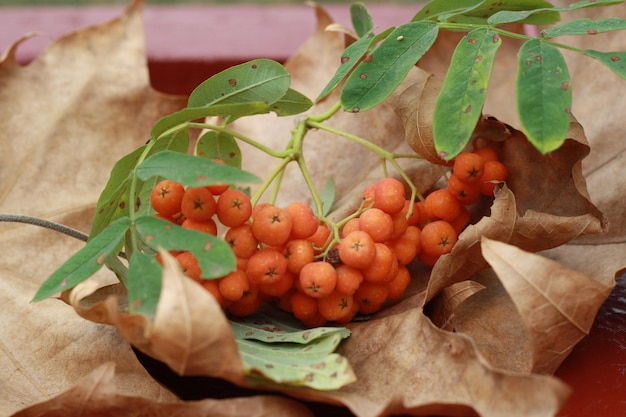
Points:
x=48 y=224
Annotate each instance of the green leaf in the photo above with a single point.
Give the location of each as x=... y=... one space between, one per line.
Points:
x=293 y=102
x=191 y=170
x=435 y=8
x=361 y=19
x=84 y=263
x=113 y=200
x=277 y=348
x=479 y=12
x=462 y=96
x=512 y=16
x=214 y=255
x=349 y=59
x=585 y=27
x=259 y=80
x=544 y=95
x=189 y=114
x=144 y=288
x=218 y=145
x=328 y=197
x=615 y=61
x=373 y=80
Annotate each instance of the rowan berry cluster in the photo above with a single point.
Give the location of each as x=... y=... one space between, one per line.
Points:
x=324 y=272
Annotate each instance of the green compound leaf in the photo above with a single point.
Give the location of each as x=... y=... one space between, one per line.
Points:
x=585 y=27
x=361 y=19
x=279 y=349
x=615 y=61
x=191 y=170
x=144 y=288
x=544 y=95
x=293 y=102
x=214 y=255
x=218 y=145
x=113 y=201
x=84 y=263
x=256 y=81
x=375 y=78
x=462 y=96
x=436 y=8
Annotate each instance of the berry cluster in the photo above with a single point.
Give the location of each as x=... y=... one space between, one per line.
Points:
x=317 y=271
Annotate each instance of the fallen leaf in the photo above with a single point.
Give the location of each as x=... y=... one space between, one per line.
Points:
x=67 y=117
x=96 y=395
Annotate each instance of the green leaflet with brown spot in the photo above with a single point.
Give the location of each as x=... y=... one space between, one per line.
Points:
x=86 y=262
x=615 y=61
x=462 y=96
x=275 y=347
x=544 y=95
x=214 y=255
x=378 y=75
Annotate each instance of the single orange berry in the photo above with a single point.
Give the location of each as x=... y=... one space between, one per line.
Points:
x=217 y=189
x=233 y=208
x=468 y=167
x=495 y=172
x=318 y=279
x=320 y=237
x=438 y=238
x=370 y=297
x=487 y=153
x=348 y=279
x=404 y=248
x=335 y=306
x=466 y=192
x=189 y=264
x=413 y=233
x=442 y=205
x=166 y=197
x=242 y=241
x=266 y=266
x=461 y=222
x=279 y=287
x=303 y=306
x=212 y=287
x=271 y=225
x=205 y=226
x=198 y=204
x=350 y=226
x=418 y=216
x=377 y=224
x=381 y=269
x=298 y=253
x=234 y=285
x=357 y=249
x=399 y=284
x=369 y=196
x=303 y=221
x=389 y=195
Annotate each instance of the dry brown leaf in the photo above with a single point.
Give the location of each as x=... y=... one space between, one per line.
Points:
x=96 y=395
x=68 y=116
x=558 y=305
x=189 y=332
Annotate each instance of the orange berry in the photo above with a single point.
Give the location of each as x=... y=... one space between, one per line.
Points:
x=335 y=306
x=166 y=197
x=350 y=226
x=442 y=205
x=399 y=284
x=320 y=237
x=357 y=249
x=377 y=224
x=189 y=264
x=298 y=253
x=369 y=196
x=487 y=153
x=400 y=223
x=233 y=208
x=438 y=238
x=348 y=279
x=242 y=241
x=389 y=195
x=234 y=285
x=466 y=192
x=381 y=269
x=279 y=287
x=205 y=226
x=370 y=297
x=303 y=306
x=418 y=216
x=198 y=204
x=303 y=221
x=318 y=279
x=271 y=225
x=468 y=167
x=495 y=172
x=212 y=287
x=413 y=233
x=245 y=307
x=266 y=266
x=404 y=248
x=316 y=321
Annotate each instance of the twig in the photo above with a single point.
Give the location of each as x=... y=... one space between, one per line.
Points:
x=48 y=224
